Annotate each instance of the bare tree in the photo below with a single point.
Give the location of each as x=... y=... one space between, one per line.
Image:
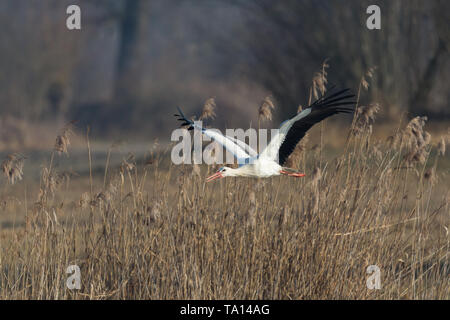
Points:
x=287 y=42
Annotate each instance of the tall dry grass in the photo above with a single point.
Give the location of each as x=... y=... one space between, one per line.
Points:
x=149 y=230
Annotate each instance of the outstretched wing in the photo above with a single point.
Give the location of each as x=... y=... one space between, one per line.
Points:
x=234 y=146
x=244 y=146
x=293 y=130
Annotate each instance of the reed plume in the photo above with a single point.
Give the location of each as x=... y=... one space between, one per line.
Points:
x=266 y=108
x=369 y=74
x=365 y=117
x=208 y=109
x=320 y=80
x=417 y=140
x=12 y=167
x=62 y=142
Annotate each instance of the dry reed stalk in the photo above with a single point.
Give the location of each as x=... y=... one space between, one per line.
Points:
x=441 y=147
x=88 y=143
x=294 y=159
x=252 y=211
x=363 y=83
x=375 y=228
x=319 y=84
x=108 y=157
x=430 y=176
x=443 y=141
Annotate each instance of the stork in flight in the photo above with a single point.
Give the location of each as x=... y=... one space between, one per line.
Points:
x=291 y=131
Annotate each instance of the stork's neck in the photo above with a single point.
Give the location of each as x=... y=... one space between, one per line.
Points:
x=239 y=172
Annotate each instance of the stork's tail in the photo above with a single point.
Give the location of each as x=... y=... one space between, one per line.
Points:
x=186 y=121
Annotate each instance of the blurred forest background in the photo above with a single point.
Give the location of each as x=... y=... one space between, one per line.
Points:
x=134 y=61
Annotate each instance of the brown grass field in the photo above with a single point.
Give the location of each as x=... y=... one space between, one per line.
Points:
x=146 y=229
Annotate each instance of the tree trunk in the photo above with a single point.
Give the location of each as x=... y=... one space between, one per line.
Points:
x=420 y=99
x=128 y=78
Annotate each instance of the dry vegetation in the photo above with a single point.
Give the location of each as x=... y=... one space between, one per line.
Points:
x=149 y=230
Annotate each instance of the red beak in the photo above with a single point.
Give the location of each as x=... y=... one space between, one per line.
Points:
x=215 y=176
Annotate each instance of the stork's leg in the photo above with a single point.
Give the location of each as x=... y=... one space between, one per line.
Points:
x=292 y=173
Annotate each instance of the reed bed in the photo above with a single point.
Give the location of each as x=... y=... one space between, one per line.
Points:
x=147 y=229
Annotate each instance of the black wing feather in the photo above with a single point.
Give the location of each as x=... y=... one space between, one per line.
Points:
x=186 y=122
x=324 y=107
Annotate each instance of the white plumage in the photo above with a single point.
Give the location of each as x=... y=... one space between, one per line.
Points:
x=269 y=162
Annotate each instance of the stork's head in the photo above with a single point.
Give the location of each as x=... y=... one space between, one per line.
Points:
x=221 y=173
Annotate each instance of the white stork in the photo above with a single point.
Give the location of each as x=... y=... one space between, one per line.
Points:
x=270 y=161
